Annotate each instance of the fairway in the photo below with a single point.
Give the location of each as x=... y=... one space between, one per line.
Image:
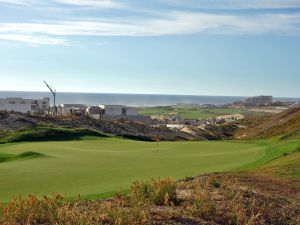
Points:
x=97 y=166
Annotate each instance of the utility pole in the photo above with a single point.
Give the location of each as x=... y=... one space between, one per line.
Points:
x=54 y=97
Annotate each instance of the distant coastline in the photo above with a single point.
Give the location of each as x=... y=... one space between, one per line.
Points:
x=130 y=99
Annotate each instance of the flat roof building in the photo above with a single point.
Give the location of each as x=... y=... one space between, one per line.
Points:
x=259 y=100
x=66 y=109
x=25 y=105
x=115 y=112
x=119 y=110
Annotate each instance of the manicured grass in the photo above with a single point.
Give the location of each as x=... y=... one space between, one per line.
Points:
x=4 y=157
x=188 y=112
x=98 y=166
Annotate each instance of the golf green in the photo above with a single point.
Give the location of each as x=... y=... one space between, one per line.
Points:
x=93 y=167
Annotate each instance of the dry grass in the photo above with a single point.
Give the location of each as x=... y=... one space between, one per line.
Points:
x=158 y=192
x=213 y=199
x=284 y=125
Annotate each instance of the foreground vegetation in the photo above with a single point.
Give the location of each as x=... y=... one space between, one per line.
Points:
x=250 y=197
x=99 y=167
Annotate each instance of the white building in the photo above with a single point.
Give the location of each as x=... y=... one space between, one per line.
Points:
x=25 y=105
x=67 y=109
x=119 y=110
x=115 y=112
x=95 y=112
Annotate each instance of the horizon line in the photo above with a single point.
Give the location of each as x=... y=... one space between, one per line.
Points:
x=157 y=94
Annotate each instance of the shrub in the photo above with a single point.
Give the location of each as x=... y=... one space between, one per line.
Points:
x=31 y=210
x=285 y=154
x=56 y=210
x=187 y=179
x=158 y=192
x=202 y=205
x=215 y=183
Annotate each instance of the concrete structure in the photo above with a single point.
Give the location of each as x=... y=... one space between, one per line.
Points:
x=95 y=112
x=119 y=110
x=116 y=112
x=67 y=109
x=259 y=101
x=25 y=105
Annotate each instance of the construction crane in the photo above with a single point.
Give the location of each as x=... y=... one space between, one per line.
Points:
x=53 y=91
x=38 y=106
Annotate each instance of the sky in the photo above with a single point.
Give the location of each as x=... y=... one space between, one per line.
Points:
x=188 y=47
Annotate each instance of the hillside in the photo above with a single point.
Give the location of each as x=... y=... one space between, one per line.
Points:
x=17 y=123
x=284 y=125
x=25 y=127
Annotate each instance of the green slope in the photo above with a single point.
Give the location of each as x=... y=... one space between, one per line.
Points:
x=98 y=166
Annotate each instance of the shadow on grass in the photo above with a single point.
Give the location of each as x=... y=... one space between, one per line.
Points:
x=4 y=157
x=49 y=134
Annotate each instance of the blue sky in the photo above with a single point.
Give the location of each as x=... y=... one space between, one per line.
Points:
x=196 y=47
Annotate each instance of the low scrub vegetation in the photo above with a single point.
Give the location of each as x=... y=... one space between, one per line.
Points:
x=237 y=199
x=56 y=210
x=158 y=192
x=48 y=134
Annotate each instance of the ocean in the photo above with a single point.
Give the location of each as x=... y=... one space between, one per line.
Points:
x=128 y=99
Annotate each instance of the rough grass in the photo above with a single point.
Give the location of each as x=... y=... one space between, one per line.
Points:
x=274 y=149
x=48 y=134
x=239 y=199
x=284 y=126
x=288 y=165
x=158 y=192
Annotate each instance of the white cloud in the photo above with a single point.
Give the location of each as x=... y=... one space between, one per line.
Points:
x=96 y=3
x=237 y=4
x=33 y=40
x=16 y=2
x=200 y=4
x=176 y=23
x=92 y=3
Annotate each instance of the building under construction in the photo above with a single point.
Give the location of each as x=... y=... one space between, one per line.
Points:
x=25 y=105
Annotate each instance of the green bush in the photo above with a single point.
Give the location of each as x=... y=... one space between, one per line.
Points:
x=215 y=183
x=158 y=192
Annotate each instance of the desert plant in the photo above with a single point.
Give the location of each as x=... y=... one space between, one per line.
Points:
x=215 y=183
x=201 y=205
x=158 y=192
